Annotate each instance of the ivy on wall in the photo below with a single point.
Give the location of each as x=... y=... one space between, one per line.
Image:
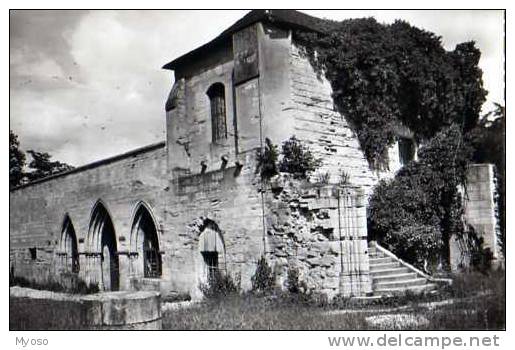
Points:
x=386 y=75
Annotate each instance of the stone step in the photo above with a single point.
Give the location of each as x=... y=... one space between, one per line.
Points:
x=379 y=260
x=391 y=277
x=376 y=255
x=378 y=277
x=389 y=271
x=401 y=283
x=401 y=291
x=384 y=266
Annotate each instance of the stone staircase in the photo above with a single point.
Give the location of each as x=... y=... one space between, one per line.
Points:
x=392 y=276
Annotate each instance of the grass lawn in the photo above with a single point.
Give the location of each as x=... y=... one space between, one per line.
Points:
x=473 y=302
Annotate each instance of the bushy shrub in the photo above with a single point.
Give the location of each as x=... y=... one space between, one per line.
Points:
x=293 y=282
x=176 y=297
x=344 y=179
x=416 y=244
x=85 y=288
x=267 y=160
x=424 y=193
x=219 y=285
x=323 y=178
x=297 y=159
x=263 y=280
x=480 y=257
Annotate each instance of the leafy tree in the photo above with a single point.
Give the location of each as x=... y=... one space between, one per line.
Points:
x=297 y=159
x=386 y=75
x=42 y=166
x=423 y=194
x=16 y=161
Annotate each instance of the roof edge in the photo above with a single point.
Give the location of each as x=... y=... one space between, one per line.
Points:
x=290 y=18
x=95 y=164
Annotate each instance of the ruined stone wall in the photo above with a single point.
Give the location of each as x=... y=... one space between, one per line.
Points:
x=196 y=184
x=325 y=130
x=37 y=211
x=479 y=212
x=189 y=135
x=229 y=199
x=321 y=232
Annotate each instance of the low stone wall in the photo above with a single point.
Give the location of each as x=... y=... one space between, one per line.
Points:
x=102 y=311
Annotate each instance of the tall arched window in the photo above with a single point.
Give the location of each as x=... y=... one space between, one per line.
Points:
x=102 y=241
x=69 y=246
x=216 y=93
x=212 y=249
x=144 y=241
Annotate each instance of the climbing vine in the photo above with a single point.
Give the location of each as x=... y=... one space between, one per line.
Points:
x=387 y=75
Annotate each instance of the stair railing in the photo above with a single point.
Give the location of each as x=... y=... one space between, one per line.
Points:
x=409 y=266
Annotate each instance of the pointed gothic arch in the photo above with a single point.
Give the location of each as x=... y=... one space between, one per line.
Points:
x=68 y=247
x=102 y=244
x=144 y=243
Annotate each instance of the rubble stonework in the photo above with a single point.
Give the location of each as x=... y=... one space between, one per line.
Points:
x=321 y=231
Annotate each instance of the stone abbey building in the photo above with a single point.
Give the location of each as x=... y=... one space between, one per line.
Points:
x=163 y=216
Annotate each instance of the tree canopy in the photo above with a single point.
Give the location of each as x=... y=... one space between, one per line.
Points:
x=16 y=161
x=40 y=166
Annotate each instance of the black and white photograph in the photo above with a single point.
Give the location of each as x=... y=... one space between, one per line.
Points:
x=268 y=169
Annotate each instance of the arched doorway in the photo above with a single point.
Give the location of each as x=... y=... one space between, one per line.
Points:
x=212 y=250
x=68 y=247
x=103 y=244
x=145 y=244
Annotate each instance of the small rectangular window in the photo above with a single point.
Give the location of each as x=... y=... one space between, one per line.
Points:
x=33 y=253
x=406 y=150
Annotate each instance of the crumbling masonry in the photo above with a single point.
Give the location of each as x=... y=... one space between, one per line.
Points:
x=164 y=216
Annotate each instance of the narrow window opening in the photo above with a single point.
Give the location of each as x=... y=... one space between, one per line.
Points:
x=406 y=150
x=33 y=253
x=216 y=95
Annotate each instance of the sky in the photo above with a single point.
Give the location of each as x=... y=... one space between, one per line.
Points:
x=86 y=85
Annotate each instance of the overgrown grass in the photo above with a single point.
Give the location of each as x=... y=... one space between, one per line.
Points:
x=75 y=285
x=257 y=313
x=45 y=314
x=474 y=302
x=478 y=303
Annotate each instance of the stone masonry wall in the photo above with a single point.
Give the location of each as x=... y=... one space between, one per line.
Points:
x=321 y=231
x=325 y=130
x=480 y=212
x=229 y=199
x=37 y=211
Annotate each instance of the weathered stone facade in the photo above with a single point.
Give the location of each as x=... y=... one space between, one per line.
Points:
x=162 y=216
x=480 y=208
